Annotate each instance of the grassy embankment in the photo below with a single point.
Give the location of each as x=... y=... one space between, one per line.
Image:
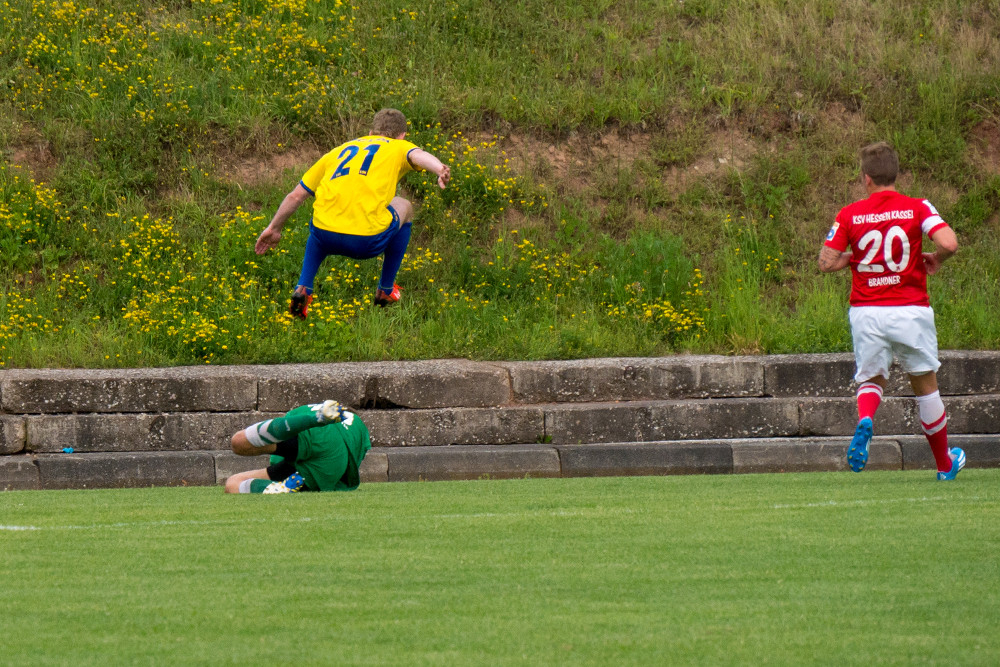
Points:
x=886 y=568
x=603 y=152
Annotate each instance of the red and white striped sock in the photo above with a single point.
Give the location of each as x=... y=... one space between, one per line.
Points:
x=869 y=398
x=934 y=421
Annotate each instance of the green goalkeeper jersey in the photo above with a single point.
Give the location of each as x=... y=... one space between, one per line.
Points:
x=329 y=455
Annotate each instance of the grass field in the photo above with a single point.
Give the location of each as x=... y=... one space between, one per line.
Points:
x=145 y=145
x=840 y=569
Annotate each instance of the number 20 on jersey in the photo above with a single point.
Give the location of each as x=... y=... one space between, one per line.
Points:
x=872 y=242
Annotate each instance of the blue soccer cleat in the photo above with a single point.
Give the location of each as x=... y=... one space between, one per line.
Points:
x=857 y=453
x=957 y=463
x=292 y=484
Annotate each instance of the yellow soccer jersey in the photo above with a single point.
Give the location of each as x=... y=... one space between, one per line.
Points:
x=355 y=182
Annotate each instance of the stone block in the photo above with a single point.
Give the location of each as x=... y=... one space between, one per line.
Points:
x=18 y=473
x=898 y=415
x=589 y=380
x=441 y=383
x=973 y=414
x=228 y=464
x=839 y=416
x=981 y=451
x=634 y=379
x=455 y=426
x=11 y=434
x=375 y=466
x=819 y=375
x=917 y=453
x=728 y=377
x=186 y=389
x=137 y=432
x=809 y=374
x=810 y=455
x=649 y=458
x=392 y=384
x=281 y=388
x=969 y=372
x=651 y=421
x=962 y=373
x=472 y=462
x=126 y=470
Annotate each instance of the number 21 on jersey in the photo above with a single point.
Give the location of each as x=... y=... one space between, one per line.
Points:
x=348 y=154
x=872 y=242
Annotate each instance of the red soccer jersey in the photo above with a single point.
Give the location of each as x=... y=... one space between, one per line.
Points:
x=885 y=233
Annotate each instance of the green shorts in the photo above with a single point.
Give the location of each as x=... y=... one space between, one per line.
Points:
x=322 y=459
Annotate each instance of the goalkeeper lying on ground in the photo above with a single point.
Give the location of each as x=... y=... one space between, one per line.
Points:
x=313 y=448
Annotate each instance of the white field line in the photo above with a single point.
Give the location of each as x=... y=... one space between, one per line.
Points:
x=219 y=522
x=857 y=503
x=586 y=513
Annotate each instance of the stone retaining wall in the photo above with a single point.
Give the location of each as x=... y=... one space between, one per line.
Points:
x=172 y=425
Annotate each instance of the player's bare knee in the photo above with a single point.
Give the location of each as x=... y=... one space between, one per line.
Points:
x=879 y=380
x=233 y=484
x=924 y=383
x=239 y=443
x=404 y=209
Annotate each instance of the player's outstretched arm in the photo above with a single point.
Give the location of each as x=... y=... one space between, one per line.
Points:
x=946 y=245
x=261 y=438
x=831 y=261
x=421 y=159
x=272 y=233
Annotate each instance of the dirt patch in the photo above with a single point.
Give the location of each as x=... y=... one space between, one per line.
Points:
x=549 y=162
x=571 y=164
x=723 y=150
x=270 y=169
x=623 y=150
x=836 y=120
x=984 y=146
x=34 y=154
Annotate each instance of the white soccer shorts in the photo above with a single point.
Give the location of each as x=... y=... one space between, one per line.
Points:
x=879 y=332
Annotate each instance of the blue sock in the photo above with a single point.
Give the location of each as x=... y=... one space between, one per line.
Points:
x=310 y=263
x=394 y=257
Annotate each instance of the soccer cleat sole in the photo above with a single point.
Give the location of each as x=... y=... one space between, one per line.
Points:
x=857 y=453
